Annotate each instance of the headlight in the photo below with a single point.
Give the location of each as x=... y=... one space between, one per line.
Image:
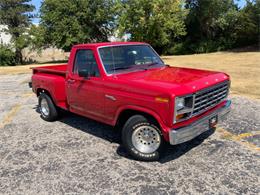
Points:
x=180 y=103
x=183 y=108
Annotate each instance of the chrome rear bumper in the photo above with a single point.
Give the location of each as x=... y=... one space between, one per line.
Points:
x=183 y=134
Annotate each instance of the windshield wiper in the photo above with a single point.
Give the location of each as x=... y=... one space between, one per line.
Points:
x=152 y=64
x=121 y=68
x=128 y=67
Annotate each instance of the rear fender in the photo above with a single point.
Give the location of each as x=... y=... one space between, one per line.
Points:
x=54 y=85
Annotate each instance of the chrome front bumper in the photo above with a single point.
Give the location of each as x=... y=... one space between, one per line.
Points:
x=183 y=134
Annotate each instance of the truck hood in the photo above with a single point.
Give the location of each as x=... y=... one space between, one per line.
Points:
x=178 y=81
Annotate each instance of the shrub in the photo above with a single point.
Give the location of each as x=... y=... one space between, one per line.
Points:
x=177 y=49
x=7 y=56
x=202 y=46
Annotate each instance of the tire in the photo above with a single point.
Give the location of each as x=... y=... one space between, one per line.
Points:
x=142 y=138
x=47 y=108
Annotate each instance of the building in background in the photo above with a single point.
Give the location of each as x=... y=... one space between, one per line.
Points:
x=5 y=38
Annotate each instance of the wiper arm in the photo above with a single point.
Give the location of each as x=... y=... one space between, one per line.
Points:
x=128 y=67
x=121 y=68
x=152 y=64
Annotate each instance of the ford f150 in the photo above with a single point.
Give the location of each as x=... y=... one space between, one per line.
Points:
x=127 y=85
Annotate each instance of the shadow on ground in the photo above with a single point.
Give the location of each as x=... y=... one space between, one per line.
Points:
x=112 y=135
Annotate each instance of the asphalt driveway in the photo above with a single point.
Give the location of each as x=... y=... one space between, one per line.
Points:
x=79 y=156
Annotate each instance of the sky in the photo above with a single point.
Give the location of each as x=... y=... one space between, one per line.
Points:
x=37 y=4
x=241 y=3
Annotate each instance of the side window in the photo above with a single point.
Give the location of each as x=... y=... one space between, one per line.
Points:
x=85 y=60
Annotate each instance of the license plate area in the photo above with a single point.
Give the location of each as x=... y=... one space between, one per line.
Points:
x=213 y=121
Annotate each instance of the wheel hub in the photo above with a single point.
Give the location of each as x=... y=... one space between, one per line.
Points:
x=44 y=107
x=146 y=139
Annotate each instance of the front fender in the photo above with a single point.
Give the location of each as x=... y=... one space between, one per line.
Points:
x=152 y=113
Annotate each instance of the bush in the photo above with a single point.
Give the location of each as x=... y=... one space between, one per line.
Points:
x=208 y=46
x=177 y=49
x=203 y=46
x=7 y=56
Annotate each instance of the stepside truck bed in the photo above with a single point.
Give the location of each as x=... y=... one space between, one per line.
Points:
x=53 y=79
x=58 y=69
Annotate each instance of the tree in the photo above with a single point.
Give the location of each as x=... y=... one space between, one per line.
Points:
x=37 y=38
x=15 y=14
x=214 y=25
x=211 y=19
x=67 y=22
x=7 y=56
x=158 y=22
x=248 y=27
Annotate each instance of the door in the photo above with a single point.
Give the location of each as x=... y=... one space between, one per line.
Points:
x=85 y=95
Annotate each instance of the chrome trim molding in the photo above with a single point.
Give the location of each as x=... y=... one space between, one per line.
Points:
x=184 y=134
x=110 y=97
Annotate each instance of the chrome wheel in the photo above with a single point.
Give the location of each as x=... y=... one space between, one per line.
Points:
x=146 y=139
x=45 y=107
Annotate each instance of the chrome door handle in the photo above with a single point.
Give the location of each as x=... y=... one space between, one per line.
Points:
x=110 y=97
x=71 y=81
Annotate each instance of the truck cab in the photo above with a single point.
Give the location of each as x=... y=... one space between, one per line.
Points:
x=127 y=85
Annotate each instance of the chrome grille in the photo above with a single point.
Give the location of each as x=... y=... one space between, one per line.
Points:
x=209 y=98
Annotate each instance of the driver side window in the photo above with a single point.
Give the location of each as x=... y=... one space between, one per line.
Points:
x=85 y=60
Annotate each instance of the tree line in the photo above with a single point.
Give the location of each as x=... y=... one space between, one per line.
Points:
x=170 y=26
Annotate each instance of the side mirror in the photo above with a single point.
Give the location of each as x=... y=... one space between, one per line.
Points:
x=83 y=73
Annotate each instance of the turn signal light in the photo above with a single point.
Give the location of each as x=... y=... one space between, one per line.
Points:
x=179 y=116
x=163 y=100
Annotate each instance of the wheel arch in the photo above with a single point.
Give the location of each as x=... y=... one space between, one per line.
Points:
x=42 y=90
x=125 y=113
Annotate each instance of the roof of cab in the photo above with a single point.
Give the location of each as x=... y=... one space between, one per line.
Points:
x=108 y=44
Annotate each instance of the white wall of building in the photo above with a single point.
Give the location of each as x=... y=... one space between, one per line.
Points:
x=5 y=38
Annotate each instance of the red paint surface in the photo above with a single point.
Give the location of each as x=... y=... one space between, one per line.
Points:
x=134 y=91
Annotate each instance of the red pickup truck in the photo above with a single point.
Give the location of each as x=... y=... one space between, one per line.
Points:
x=127 y=85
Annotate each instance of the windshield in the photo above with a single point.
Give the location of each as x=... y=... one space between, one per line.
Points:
x=128 y=58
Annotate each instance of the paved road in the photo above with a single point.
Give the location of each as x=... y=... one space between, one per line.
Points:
x=76 y=155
